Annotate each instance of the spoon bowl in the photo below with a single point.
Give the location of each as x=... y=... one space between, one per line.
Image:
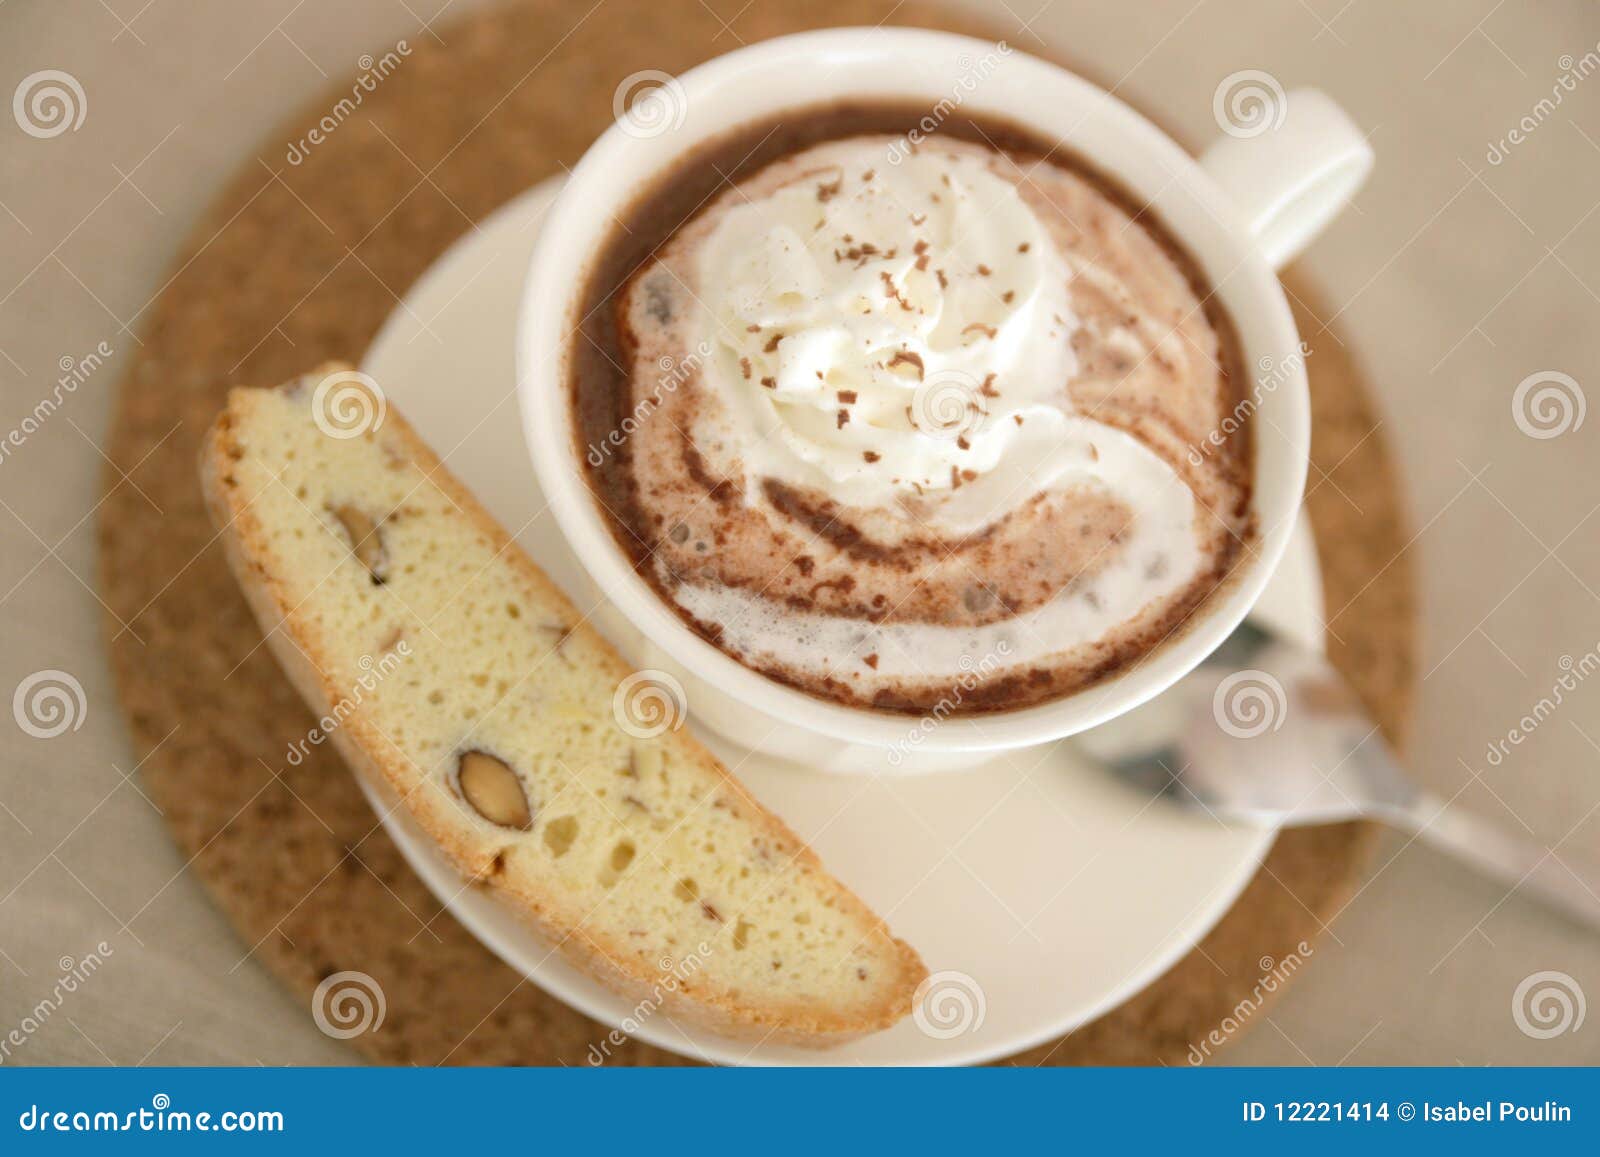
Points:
x=1267 y=732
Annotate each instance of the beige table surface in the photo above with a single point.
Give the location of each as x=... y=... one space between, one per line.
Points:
x=1456 y=278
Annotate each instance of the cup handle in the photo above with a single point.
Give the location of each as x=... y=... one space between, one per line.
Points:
x=1291 y=178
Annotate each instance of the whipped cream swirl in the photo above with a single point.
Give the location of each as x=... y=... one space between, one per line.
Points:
x=891 y=329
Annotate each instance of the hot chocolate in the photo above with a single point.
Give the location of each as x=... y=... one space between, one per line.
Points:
x=906 y=425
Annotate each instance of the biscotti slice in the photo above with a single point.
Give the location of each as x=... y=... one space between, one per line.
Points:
x=458 y=678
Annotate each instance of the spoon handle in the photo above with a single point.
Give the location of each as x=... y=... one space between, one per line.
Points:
x=1565 y=881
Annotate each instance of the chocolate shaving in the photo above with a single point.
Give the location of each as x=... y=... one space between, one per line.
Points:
x=910 y=358
x=892 y=291
x=860 y=254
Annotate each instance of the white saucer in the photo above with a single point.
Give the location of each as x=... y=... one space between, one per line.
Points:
x=1048 y=891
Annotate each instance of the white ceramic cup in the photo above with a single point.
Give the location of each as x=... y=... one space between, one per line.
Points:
x=1282 y=170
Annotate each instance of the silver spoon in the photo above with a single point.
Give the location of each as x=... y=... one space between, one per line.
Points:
x=1266 y=732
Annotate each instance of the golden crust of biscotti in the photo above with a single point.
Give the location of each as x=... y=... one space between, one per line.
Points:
x=606 y=952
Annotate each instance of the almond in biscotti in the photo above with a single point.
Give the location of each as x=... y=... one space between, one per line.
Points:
x=366 y=540
x=493 y=790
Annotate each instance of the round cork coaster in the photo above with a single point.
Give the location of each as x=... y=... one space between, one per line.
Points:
x=299 y=263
